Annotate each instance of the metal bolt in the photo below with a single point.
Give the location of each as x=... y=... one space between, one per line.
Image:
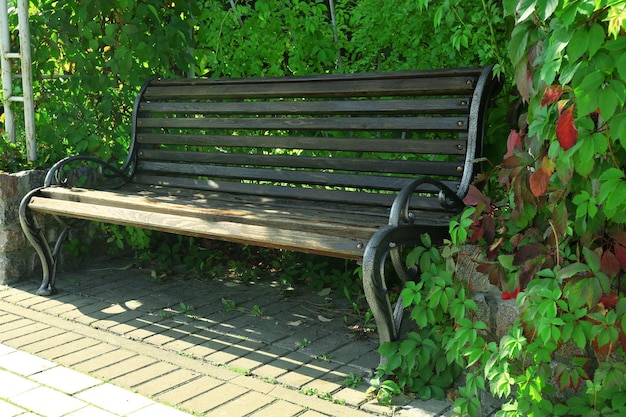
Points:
x=464 y=103
x=459 y=169
x=359 y=246
x=459 y=147
x=392 y=244
x=460 y=123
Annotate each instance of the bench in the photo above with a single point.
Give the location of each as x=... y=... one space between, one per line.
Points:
x=353 y=166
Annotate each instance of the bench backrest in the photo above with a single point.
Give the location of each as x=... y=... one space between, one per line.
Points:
x=351 y=138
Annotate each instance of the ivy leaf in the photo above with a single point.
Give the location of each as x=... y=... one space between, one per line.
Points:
x=539 y=181
x=620 y=254
x=566 y=131
x=551 y=95
x=609 y=264
x=608 y=102
x=596 y=38
x=513 y=143
x=578 y=45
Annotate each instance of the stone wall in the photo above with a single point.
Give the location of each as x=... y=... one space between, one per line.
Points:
x=18 y=259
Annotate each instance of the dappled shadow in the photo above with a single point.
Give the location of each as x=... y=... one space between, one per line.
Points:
x=296 y=336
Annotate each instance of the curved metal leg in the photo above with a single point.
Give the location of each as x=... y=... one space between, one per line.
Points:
x=35 y=236
x=384 y=242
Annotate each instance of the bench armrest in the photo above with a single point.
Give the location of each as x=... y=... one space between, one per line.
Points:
x=400 y=213
x=58 y=175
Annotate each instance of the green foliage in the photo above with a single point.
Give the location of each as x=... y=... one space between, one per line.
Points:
x=550 y=219
x=419 y=362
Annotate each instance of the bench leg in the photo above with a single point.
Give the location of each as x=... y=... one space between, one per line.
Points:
x=384 y=243
x=35 y=236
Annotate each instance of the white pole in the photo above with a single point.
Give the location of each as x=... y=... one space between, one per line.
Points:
x=27 y=80
x=7 y=84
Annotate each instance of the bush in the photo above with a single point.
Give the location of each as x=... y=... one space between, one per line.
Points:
x=550 y=219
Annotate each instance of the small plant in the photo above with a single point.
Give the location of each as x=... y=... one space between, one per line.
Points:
x=383 y=390
x=229 y=305
x=303 y=343
x=353 y=380
x=256 y=311
x=187 y=309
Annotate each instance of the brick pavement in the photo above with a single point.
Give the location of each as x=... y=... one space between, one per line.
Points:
x=113 y=342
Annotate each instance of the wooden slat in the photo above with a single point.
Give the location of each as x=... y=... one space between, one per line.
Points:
x=297 y=161
x=362 y=76
x=291 y=87
x=431 y=124
x=418 y=146
x=335 y=220
x=415 y=106
x=234 y=232
x=279 y=176
x=306 y=194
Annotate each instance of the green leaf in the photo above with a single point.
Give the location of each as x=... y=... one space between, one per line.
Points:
x=578 y=45
x=591 y=259
x=620 y=65
x=573 y=269
x=597 y=37
x=608 y=102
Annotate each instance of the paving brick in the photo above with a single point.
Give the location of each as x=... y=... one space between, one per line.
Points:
x=125 y=402
x=66 y=380
x=82 y=355
x=166 y=382
x=103 y=360
x=117 y=319
x=23 y=363
x=65 y=308
x=143 y=375
x=306 y=374
x=188 y=390
x=351 y=396
x=10 y=410
x=16 y=323
x=212 y=399
x=112 y=369
x=310 y=413
x=48 y=402
x=11 y=384
x=32 y=337
x=242 y=405
x=279 y=408
x=91 y=411
x=158 y=410
x=89 y=313
x=62 y=339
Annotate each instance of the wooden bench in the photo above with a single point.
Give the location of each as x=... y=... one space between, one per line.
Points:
x=352 y=166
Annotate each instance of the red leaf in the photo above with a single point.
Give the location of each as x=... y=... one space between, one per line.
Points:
x=609 y=301
x=474 y=196
x=514 y=142
x=524 y=80
x=566 y=131
x=551 y=95
x=539 y=182
x=609 y=264
x=620 y=254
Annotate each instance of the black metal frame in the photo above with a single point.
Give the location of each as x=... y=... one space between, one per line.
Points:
x=402 y=230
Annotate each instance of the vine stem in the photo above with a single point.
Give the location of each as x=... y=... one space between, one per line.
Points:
x=556 y=240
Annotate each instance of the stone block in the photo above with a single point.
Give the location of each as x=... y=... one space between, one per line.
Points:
x=29 y=180
x=11 y=239
x=467 y=261
x=8 y=186
x=506 y=313
x=13 y=267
